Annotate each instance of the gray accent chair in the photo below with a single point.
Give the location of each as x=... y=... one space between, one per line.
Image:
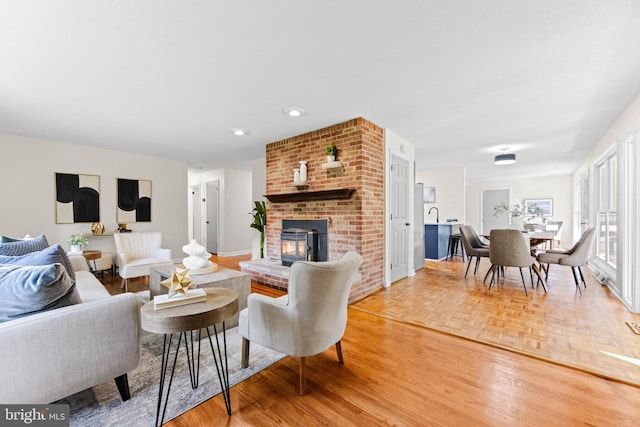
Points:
x=307 y=321
x=575 y=257
x=510 y=248
x=473 y=246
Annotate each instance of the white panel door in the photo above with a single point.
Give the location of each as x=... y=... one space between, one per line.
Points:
x=196 y=215
x=212 y=217
x=399 y=221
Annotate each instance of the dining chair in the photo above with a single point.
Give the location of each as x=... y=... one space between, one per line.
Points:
x=473 y=246
x=575 y=257
x=510 y=248
x=309 y=319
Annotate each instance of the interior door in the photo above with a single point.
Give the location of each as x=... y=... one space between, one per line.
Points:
x=195 y=213
x=399 y=221
x=212 y=217
x=491 y=198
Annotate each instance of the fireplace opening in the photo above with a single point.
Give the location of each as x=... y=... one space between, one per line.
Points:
x=303 y=240
x=298 y=244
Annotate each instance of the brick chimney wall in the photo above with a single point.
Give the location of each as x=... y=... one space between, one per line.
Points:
x=355 y=224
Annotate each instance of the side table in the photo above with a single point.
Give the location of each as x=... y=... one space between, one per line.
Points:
x=220 y=305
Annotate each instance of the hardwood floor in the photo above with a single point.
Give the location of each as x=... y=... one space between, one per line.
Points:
x=399 y=373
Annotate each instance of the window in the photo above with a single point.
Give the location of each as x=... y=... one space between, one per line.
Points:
x=606 y=176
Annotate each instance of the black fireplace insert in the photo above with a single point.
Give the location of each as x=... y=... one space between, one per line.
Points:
x=298 y=244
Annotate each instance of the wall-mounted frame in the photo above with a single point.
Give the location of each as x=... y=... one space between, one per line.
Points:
x=133 y=202
x=546 y=205
x=429 y=194
x=77 y=198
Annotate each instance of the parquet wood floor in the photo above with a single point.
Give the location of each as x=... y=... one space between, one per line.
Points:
x=587 y=332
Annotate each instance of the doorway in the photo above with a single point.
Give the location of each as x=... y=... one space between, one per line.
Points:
x=196 y=215
x=399 y=222
x=491 y=198
x=211 y=237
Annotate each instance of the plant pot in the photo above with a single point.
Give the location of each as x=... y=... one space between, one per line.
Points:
x=331 y=159
x=75 y=249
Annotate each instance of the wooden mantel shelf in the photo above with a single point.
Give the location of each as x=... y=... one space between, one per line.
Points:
x=303 y=196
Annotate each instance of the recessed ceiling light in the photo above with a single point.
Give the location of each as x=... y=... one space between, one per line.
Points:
x=293 y=111
x=239 y=131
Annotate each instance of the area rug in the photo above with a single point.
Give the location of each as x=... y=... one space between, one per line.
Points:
x=101 y=405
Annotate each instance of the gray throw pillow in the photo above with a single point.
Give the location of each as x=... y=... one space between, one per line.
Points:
x=25 y=290
x=51 y=255
x=21 y=247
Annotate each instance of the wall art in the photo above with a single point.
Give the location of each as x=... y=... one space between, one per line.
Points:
x=134 y=201
x=77 y=198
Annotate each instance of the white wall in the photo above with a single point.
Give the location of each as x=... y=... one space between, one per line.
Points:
x=559 y=188
x=628 y=264
x=28 y=190
x=450 y=193
x=234 y=206
x=259 y=189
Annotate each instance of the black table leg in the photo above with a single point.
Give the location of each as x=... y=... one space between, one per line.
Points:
x=223 y=366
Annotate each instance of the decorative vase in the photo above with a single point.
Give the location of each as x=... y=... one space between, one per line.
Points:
x=75 y=249
x=303 y=171
x=296 y=175
x=331 y=159
x=516 y=223
x=198 y=259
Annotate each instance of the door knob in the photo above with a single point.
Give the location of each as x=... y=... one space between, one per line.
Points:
x=407 y=224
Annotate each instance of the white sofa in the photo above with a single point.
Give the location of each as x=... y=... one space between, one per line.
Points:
x=53 y=354
x=137 y=252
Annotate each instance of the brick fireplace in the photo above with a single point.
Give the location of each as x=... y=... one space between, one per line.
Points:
x=350 y=197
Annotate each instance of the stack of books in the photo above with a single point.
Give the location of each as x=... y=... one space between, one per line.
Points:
x=193 y=296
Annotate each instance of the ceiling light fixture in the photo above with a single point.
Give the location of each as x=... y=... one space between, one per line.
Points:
x=505 y=159
x=239 y=131
x=293 y=111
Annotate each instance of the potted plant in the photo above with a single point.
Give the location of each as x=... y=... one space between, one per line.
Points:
x=260 y=222
x=536 y=211
x=332 y=153
x=514 y=212
x=77 y=243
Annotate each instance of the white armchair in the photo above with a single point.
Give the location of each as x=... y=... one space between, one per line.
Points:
x=307 y=321
x=137 y=252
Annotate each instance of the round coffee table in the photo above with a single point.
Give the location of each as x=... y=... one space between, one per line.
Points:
x=220 y=305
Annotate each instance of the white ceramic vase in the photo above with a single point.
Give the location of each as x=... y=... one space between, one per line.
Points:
x=75 y=249
x=303 y=171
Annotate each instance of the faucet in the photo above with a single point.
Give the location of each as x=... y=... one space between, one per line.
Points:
x=437 y=214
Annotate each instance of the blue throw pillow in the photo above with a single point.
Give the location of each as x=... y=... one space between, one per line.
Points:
x=51 y=255
x=25 y=290
x=21 y=247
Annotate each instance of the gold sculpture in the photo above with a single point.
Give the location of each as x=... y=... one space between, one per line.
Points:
x=178 y=283
x=97 y=228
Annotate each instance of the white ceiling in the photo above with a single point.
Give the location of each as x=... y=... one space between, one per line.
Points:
x=458 y=79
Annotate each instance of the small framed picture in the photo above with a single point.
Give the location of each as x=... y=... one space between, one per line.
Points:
x=537 y=207
x=429 y=194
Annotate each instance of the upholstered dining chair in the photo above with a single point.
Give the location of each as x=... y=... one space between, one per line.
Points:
x=575 y=257
x=307 y=321
x=510 y=248
x=473 y=246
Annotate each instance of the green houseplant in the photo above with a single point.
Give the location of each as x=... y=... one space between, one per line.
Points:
x=77 y=243
x=259 y=213
x=331 y=152
x=513 y=211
